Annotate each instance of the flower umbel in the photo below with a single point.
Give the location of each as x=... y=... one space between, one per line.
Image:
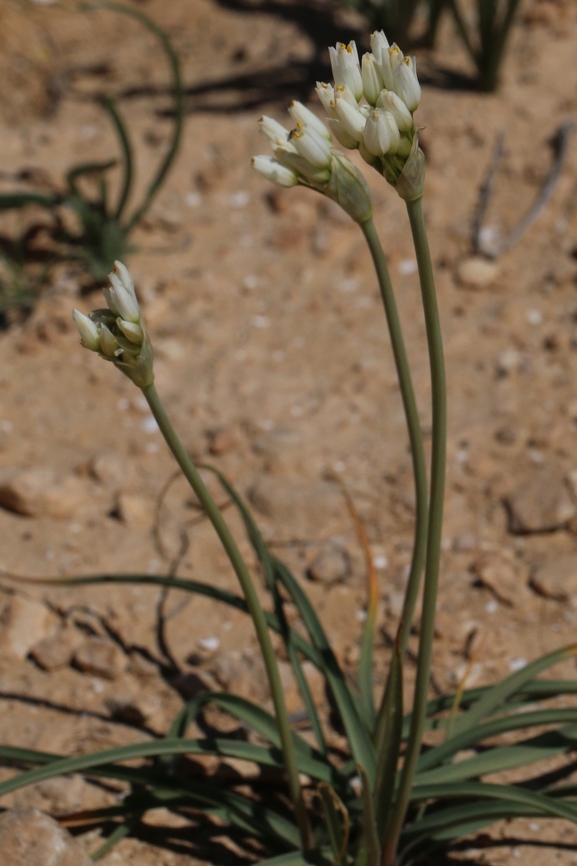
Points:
x=118 y=334
x=305 y=155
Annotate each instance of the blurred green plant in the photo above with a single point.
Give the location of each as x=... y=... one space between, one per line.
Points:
x=104 y=229
x=393 y=16
x=487 y=46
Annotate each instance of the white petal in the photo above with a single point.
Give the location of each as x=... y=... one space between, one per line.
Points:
x=131 y=331
x=341 y=135
x=274 y=171
x=372 y=79
x=301 y=114
x=351 y=118
x=124 y=276
x=312 y=146
x=108 y=344
x=326 y=94
x=87 y=330
x=346 y=69
x=273 y=131
x=379 y=45
x=393 y=103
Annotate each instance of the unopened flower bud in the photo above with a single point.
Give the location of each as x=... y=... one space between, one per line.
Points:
x=121 y=299
x=302 y=167
x=381 y=133
x=326 y=94
x=303 y=115
x=132 y=331
x=341 y=135
x=379 y=44
x=351 y=118
x=88 y=331
x=108 y=343
x=372 y=79
x=346 y=69
x=311 y=146
x=395 y=105
x=274 y=171
x=273 y=131
x=407 y=84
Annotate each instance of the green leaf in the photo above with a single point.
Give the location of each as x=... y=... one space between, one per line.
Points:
x=349 y=709
x=389 y=749
x=510 y=686
x=370 y=840
x=440 y=754
x=127 y=159
x=286 y=632
x=507 y=793
x=495 y=760
x=338 y=834
x=242 y=811
x=309 y=760
x=316 y=857
x=21 y=199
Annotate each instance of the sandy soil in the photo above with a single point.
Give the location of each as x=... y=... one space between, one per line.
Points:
x=274 y=362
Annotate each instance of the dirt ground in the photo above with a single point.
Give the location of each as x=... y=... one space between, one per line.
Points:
x=273 y=359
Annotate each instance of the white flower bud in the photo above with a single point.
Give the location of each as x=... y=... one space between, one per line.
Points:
x=407 y=84
x=351 y=118
x=346 y=68
x=342 y=92
x=372 y=79
x=302 y=167
x=379 y=45
x=273 y=170
x=341 y=135
x=131 y=331
x=303 y=115
x=121 y=271
x=312 y=146
x=273 y=131
x=326 y=94
x=88 y=331
x=393 y=103
x=381 y=133
x=108 y=343
x=121 y=299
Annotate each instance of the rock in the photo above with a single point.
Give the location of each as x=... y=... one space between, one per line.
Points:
x=297 y=509
x=28 y=837
x=22 y=623
x=477 y=272
x=556 y=577
x=242 y=674
x=499 y=573
x=40 y=492
x=331 y=564
x=56 y=651
x=508 y=362
x=100 y=657
x=108 y=467
x=541 y=504
x=222 y=440
x=133 y=509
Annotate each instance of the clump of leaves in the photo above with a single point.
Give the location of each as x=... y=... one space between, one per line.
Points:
x=397 y=18
x=350 y=797
x=104 y=227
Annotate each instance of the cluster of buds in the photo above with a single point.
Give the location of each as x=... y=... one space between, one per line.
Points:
x=305 y=156
x=381 y=127
x=118 y=334
x=370 y=108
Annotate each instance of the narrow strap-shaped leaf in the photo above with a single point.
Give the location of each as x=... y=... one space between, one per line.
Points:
x=337 y=823
x=508 y=687
x=127 y=159
x=495 y=760
x=86 y=168
x=310 y=761
x=194 y=586
x=179 y=105
x=389 y=749
x=440 y=754
x=21 y=199
x=507 y=793
x=370 y=841
x=117 y=835
x=286 y=632
x=256 y=815
x=351 y=715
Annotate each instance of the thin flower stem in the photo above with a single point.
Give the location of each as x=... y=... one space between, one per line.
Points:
x=438 y=465
x=213 y=513
x=413 y=425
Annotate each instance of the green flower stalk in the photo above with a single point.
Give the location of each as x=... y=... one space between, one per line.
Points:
x=118 y=335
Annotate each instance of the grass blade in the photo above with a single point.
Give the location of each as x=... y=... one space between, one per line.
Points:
x=21 y=199
x=510 y=686
x=338 y=835
x=389 y=749
x=370 y=841
x=495 y=760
